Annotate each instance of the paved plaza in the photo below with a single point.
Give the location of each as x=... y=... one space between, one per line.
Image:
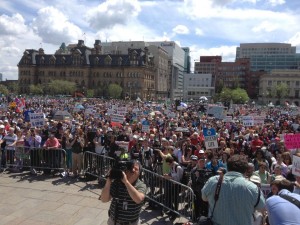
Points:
x=45 y=200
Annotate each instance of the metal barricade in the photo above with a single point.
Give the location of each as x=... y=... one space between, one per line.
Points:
x=34 y=158
x=47 y=159
x=15 y=159
x=169 y=194
x=97 y=165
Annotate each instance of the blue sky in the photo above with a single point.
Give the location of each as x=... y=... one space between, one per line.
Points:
x=208 y=27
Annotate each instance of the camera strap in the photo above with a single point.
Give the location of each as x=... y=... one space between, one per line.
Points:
x=217 y=193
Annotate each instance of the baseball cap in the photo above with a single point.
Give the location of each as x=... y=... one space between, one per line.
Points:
x=255 y=135
x=194 y=157
x=201 y=151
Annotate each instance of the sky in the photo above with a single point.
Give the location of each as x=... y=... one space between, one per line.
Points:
x=207 y=27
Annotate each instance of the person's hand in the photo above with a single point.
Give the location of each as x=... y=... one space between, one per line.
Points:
x=124 y=179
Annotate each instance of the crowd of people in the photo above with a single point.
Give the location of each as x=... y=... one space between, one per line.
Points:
x=172 y=144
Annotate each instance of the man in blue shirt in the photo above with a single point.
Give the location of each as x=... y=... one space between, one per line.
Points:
x=238 y=196
x=280 y=210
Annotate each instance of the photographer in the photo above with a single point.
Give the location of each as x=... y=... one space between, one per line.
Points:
x=127 y=194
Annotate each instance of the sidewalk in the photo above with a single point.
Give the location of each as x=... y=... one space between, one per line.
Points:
x=45 y=200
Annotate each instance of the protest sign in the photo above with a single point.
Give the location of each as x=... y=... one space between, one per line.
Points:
x=216 y=111
x=259 y=120
x=117 y=118
x=248 y=121
x=122 y=111
x=210 y=138
x=266 y=189
x=37 y=119
x=296 y=166
x=292 y=141
x=146 y=126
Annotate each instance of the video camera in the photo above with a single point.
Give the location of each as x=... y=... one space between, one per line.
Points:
x=116 y=172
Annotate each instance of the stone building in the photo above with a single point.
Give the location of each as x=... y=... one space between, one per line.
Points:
x=89 y=68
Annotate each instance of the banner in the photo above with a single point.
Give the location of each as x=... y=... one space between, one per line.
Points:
x=37 y=119
x=292 y=141
x=296 y=166
x=117 y=118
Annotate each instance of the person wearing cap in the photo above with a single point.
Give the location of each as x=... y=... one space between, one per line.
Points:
x=256 y=143
x=280 y=210
x=6 y=125
x=199 y=176
x=258 y=215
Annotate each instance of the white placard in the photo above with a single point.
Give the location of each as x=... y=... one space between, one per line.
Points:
x=248 y=121
x=37 y=119
x=296 y=166
x=227 y=119
x=211 y=142
x=123 y=144
x=117 y=118
x=122 y=111
x=259 y=120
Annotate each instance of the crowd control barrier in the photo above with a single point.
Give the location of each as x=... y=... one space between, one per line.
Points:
x=34 y=158
x=165 y=193
x=169 y=194
x=96 y=165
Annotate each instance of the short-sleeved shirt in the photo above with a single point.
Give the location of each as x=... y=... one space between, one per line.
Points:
x=281 y=211
x=128 y=210
x=10 y=139
x=237 y=199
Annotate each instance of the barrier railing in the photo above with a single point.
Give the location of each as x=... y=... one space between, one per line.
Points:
x=96 y=165
x=168 y=194
x=34 y=158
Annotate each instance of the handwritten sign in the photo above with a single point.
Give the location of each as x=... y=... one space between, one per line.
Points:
x=37 y=119
x=292 y=141
x=296 y=166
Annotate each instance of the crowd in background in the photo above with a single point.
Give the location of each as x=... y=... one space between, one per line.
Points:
x=172 y=146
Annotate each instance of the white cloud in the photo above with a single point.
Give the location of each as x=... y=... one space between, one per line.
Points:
x=54 y=27
x=181 y=29
x=265 y=26
x=295 y=40
x=112 y=12
x=12 y=25
x=276 y=2
x=199 y=32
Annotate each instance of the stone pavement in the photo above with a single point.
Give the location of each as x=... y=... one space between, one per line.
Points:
x=47 y=200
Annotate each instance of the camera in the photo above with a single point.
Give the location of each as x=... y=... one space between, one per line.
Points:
x=116 y=172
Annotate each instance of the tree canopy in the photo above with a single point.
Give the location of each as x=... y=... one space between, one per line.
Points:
x=237 y=95
x=114 y=91
x=59 y=87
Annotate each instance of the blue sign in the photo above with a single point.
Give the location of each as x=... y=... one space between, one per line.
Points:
x=209 y=132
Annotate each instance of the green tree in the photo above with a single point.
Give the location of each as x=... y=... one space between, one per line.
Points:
x=239 y=96
x=3 y=90
x=14 y=87
x=280 y=91
x=36 y=89
x=114 y=91
x=90 y=93
x=225 y=95
x=59 y=87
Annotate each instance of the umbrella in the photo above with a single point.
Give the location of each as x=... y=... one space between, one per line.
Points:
x=79 y=106
x=203 y=98
x=62 y=115
x=182 y=104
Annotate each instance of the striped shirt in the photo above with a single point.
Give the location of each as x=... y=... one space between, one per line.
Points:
x=10 y=139
x=127 y=209
x=237 y=199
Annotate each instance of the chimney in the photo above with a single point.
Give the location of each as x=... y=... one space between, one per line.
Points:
x=80 y=43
